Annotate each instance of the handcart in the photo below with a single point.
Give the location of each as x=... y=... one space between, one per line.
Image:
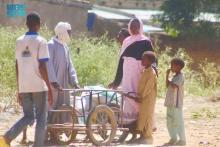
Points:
x=98 y=122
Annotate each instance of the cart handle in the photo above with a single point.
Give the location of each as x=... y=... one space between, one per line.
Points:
x=88 y=90
x=128 y=94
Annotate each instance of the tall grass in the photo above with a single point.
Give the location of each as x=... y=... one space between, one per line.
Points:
x=97 y=61
x=201 y=82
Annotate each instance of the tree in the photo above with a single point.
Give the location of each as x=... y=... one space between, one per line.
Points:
x=179 y=15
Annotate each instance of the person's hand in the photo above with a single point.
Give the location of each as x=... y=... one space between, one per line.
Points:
x=139 y=100
x=76 y=86
x=168 y=71
x=50 y=97
x=56 y=86
x=19 y=99
x=112 y=86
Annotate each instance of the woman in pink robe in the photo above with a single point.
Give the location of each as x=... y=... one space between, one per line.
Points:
x=130 y=68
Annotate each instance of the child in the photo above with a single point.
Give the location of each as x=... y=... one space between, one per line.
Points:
x=174 y=103
x=122 y=35
x=33 y=85
x=147 y=91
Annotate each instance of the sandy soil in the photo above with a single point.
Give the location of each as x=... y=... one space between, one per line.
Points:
x=201 y=132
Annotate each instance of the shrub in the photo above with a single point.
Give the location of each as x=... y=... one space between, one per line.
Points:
x=97 y=61
x=179 y=15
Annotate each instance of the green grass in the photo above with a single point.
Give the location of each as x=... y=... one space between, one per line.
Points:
x=205 y=113
x=97 y=61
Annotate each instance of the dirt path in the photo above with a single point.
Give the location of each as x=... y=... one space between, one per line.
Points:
x=202 y=123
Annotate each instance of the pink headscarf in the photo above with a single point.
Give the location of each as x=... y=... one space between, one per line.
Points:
x=133 y=38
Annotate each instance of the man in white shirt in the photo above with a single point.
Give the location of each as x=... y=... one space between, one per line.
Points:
x=33 y=85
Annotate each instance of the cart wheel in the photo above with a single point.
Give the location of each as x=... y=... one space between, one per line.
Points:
x=116 y=109
x=64 y=136
x=101 y=125
x=125 y=137
x=121 y=136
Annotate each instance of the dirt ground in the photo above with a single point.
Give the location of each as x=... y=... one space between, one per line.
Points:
x=202 y=124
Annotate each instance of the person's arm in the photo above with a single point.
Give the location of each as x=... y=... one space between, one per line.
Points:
x=43 y=58
x=149 y=86
x=118 y=76
x=18 y=95
x=73 y=80
x=173 y=85
x=167 y=77
x=131 y=96
x=177 y=81
x=149 y=45
x=50 y=67
x=168 y=82
x=44 y=75
x=16 y=66
x=19 y=100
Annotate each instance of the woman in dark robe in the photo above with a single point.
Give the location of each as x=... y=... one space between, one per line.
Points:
x=130 y=68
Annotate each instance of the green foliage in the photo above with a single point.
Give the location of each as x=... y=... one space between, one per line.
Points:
x=205 y=113
x=97 y=61
x=7 y=65
x=179 y=15
x=209 y=74
x=164 y=58
x=212 y=6
x=203 y=81
x=95 y=64
x=203 y=29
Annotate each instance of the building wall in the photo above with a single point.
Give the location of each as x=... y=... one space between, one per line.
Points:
x=111 y=27
x=51 y=11
x=131 y=4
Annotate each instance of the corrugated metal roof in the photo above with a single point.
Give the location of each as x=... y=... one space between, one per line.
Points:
x=124 y=14
x=73 y=3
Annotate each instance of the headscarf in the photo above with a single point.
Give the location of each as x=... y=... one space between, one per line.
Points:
x=61 y=32
x=133 y=38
